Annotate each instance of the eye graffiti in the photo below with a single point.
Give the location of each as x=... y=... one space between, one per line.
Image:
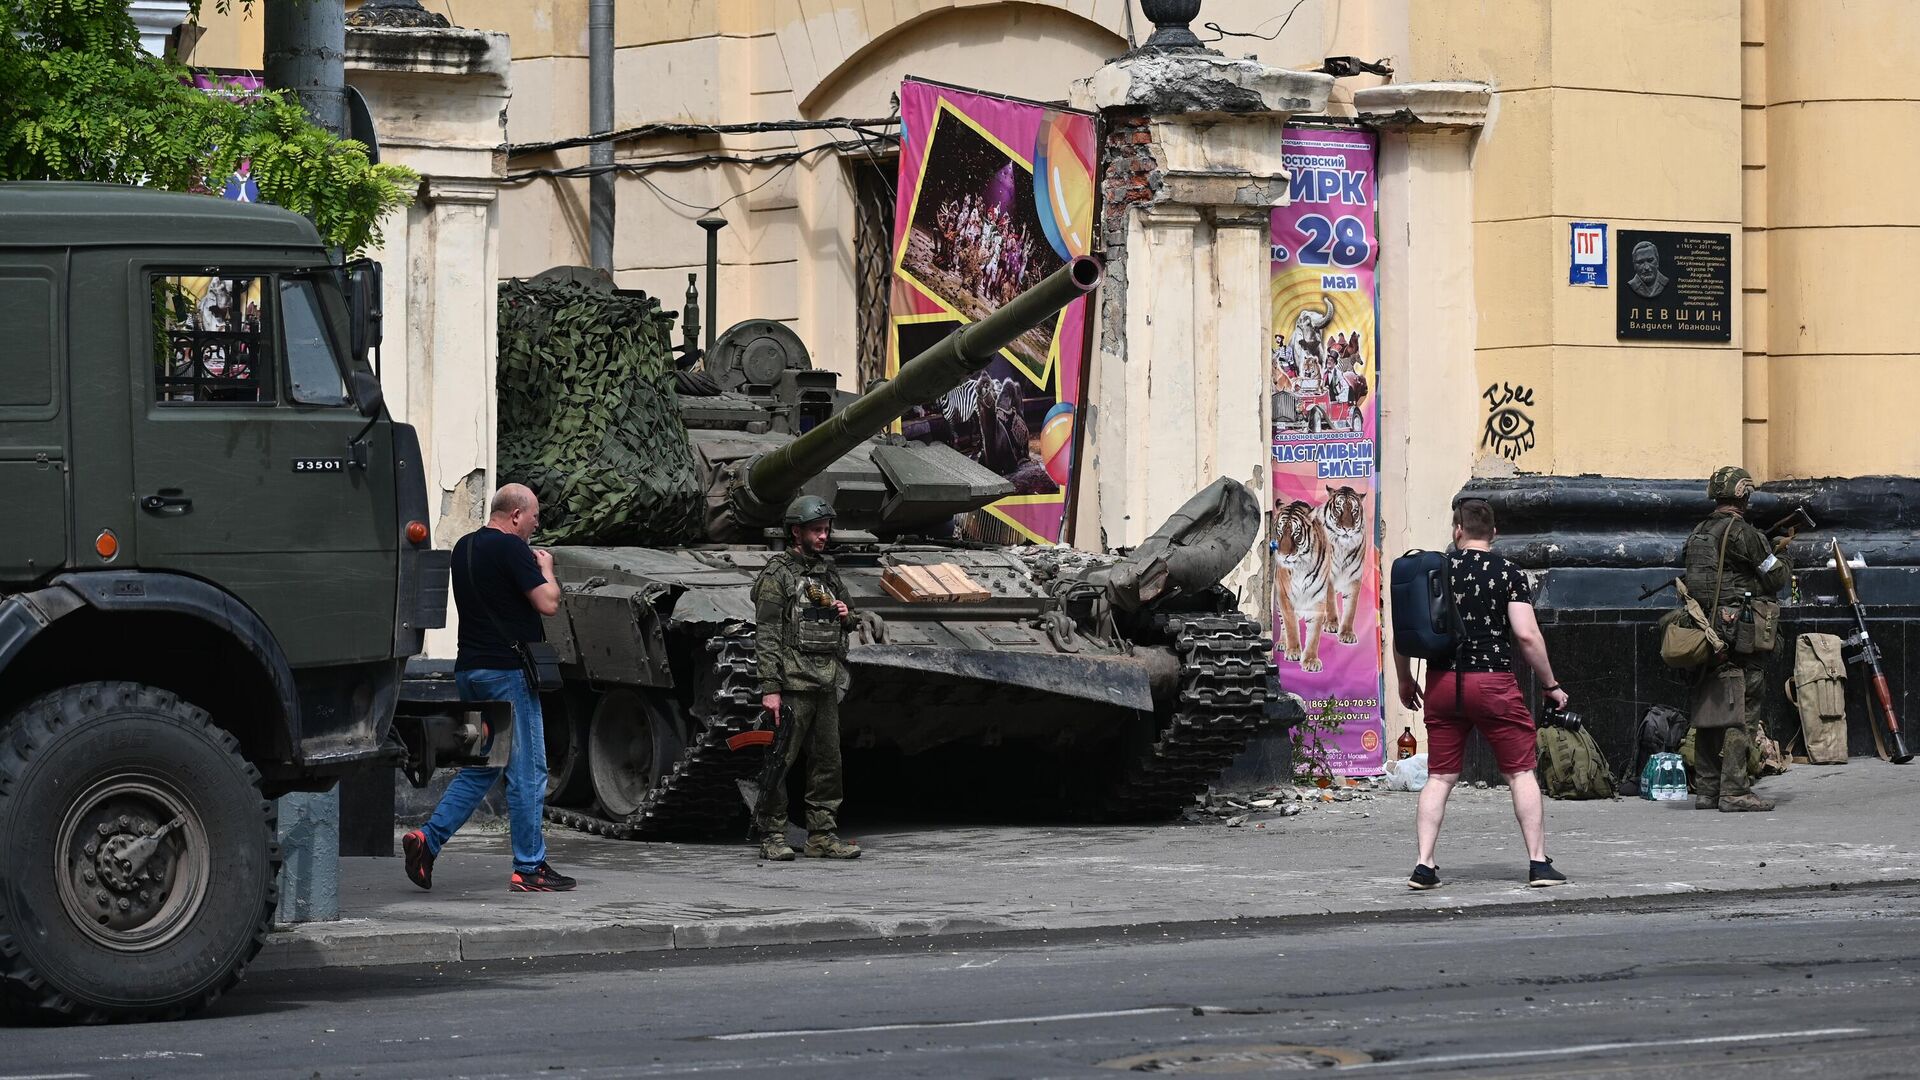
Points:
x=1509 y=430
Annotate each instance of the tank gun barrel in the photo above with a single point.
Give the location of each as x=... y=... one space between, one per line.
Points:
x=775 y=476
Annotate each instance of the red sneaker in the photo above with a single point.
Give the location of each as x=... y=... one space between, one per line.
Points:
x=542 y=878
x=419 y=859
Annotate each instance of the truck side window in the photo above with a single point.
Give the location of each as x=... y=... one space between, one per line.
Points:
x=313 y=375
x=209 y=342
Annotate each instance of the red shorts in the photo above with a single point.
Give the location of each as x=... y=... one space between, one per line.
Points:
x=1490 y=702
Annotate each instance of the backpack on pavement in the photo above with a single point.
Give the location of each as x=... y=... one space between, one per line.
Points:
x=1819 y=690
x=1571 y=764
x=1661 y=730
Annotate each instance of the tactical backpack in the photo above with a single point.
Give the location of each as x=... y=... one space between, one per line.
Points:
x=1819 y=690
x=1571 y=764
x=1426 y=619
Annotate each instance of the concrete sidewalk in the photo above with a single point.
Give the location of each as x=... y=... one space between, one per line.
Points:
x=1837 y=825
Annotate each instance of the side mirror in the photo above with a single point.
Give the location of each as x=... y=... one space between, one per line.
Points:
x=364 y=297
x=367 y=394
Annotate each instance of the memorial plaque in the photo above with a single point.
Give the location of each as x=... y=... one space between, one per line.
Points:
x=1674 y=286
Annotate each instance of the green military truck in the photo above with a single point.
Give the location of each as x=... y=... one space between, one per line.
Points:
x=216 y=567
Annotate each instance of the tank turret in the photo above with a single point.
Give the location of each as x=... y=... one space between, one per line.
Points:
x=910 y=485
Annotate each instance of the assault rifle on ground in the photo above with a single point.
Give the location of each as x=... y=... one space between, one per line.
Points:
x=1868 y=653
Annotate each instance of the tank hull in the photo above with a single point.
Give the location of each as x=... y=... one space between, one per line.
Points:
x=1141 y=717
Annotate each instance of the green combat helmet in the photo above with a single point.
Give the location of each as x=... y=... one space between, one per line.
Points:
x=1729 y=482
x=808 y=509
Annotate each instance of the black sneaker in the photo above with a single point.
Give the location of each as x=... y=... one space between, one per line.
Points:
x=1542 y=875
x=419 y=859
x=542 y=878
x=1424 y=877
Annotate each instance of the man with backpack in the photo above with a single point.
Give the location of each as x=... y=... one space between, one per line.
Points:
x=1738 y=575
x=1475 y=689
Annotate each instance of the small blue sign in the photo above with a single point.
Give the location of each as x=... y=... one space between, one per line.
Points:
x=1587 y=248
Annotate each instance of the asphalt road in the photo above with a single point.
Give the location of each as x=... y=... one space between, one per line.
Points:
x=1800 y=984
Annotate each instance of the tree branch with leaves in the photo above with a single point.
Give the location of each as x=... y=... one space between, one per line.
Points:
x=83 y=101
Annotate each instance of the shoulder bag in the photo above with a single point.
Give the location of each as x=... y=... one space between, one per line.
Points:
x=538 y=660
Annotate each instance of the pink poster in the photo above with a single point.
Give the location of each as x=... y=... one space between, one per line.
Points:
x=1326 y=566
x=994 y=195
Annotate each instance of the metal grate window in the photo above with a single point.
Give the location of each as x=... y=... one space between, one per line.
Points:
x=873 y=198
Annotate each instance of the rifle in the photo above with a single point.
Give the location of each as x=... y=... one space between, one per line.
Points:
x=1868 y=653
x=777 y=741
x=1790 y=526
x=756 y=791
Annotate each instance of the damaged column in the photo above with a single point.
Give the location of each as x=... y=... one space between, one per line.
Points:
x=438 y=96
x=1180 y=385
x=1430 y=412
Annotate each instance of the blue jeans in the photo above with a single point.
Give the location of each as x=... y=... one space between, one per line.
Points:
x=526 y=770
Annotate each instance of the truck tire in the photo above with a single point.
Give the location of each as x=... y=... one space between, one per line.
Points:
x=138 y=858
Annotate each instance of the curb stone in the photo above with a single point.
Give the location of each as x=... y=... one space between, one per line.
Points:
x=344 y=945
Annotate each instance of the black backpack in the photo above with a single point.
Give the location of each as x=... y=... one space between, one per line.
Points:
x=1426 y=622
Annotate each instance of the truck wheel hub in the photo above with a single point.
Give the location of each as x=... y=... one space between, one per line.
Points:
x=132 y=863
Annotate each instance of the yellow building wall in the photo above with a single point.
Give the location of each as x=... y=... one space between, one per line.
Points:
x=1793 y=125
x=1629 y=113
x=788 y=250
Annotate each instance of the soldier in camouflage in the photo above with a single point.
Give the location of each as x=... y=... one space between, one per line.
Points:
x=801 y=619
x=1729 y=559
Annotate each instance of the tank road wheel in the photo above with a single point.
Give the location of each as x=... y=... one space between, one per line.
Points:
x=566 y=716
x=632 y=745
x=137 y=856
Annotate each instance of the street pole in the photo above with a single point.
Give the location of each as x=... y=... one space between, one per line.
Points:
x=306 y=53
x=600 y=121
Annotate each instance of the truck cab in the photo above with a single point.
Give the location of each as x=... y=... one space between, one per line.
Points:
x=217 y=565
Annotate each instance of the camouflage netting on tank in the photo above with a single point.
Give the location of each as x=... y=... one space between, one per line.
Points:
x=588 y=417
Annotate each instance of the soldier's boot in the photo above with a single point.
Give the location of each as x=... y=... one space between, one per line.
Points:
x=1706 y=802
x=1743 y=804
x=826 y=845
x=774 y=848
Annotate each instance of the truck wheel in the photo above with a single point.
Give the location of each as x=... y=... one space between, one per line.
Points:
x=137 y=857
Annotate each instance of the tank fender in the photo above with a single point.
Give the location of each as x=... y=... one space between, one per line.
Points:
x=137 y=591
x=1197 y=547
x=615 y=632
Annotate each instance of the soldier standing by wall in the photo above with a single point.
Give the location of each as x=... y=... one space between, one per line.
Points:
x=800 y=641
x=1732 y=569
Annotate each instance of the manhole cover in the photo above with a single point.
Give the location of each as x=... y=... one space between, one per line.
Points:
x=1236 y=1060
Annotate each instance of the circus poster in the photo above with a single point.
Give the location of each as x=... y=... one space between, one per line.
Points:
x=994 y=194
x=1324 y=364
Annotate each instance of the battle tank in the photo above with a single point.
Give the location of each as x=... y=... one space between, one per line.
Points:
x=1138 y=669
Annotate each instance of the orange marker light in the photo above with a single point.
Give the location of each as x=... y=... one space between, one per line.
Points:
x=416 y=532
x=106 y=545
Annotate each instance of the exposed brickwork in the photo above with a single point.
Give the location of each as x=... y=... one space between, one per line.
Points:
x=1132 y=173
x=1131 y=177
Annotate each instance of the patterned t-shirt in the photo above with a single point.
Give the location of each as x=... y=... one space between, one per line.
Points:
x=1483 y=585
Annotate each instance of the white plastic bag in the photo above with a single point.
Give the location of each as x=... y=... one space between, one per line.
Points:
x=1407 y=774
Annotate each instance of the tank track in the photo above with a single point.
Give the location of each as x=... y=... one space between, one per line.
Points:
x=1226 y=680
x=698 y=797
